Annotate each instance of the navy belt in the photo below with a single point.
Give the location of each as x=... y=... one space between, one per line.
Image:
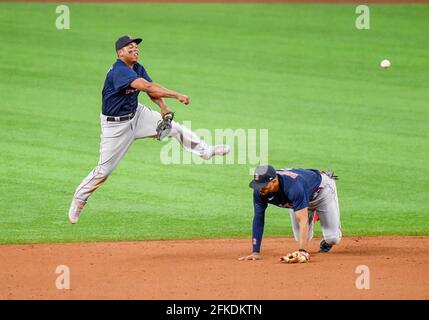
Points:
x=121 y=118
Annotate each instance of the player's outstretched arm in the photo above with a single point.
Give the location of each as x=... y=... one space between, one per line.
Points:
x=257 y=229
x=161 y=103
x=156 y=91
x=300 y=256
x=302 y=219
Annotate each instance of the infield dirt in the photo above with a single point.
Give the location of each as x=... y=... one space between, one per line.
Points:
x=209 y=269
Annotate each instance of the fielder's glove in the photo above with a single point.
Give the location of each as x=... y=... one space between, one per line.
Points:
x=300 y=256
x=164 y=126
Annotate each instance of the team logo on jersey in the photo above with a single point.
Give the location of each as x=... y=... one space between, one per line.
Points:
x=288 y=173
x=128 y=91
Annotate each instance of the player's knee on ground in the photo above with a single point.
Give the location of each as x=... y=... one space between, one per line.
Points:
x=332 y=240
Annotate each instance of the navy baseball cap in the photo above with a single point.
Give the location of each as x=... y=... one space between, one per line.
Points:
x=126 y=40
x=263 y=176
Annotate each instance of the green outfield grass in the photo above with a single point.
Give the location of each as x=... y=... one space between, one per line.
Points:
x=302 y=71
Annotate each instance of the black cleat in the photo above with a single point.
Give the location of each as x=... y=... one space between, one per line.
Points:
x=324 y=246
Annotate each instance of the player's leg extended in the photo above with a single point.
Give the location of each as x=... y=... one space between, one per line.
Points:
x=145 y=126
x=295 y=225
x=116 y=138
x=190 y=141
x=329 y=214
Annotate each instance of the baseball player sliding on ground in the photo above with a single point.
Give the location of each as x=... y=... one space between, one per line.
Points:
x=124 y=120
x=304 y=192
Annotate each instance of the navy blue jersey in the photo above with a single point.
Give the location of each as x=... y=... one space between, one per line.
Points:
x=119 y=98
x=296 y=189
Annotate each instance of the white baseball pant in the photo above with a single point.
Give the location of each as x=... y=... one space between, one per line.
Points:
x=117 y=137
x=327 y=207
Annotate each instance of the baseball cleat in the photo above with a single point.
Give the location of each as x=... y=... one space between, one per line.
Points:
x=218 y=150
x=324 y=246
x=75 y=210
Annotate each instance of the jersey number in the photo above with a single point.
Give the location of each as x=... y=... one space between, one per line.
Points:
x=291 y=174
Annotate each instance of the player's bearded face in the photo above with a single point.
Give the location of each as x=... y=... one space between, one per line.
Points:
x=273 y=186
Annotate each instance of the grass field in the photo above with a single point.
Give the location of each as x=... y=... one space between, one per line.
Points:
x=302 y=71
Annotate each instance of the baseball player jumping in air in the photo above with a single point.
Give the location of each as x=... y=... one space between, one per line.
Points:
x=124 y=120
x=304 y=192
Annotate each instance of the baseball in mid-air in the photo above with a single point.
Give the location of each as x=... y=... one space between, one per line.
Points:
x=385 y=64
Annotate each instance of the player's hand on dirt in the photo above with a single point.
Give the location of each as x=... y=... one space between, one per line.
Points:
x=183 y=99
x=296 y=257
x=253 y=256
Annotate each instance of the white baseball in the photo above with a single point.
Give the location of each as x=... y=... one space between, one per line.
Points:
x=385 y=64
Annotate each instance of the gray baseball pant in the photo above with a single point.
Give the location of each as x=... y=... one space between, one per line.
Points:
x=117 y=137
x=326 y=206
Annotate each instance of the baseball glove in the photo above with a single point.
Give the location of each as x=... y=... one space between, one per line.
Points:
x=164 y=126
x=300 y=256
